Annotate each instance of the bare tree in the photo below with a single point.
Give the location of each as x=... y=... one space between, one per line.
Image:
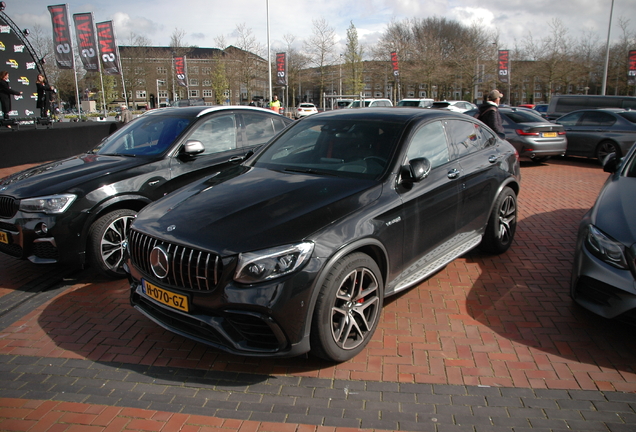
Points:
x=296 y=62
x=320 y=48
x=354 y=68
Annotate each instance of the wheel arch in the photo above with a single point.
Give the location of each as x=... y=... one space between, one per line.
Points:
x=369 y=246
x=131 y=202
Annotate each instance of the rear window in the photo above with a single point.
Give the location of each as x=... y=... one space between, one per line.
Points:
x=524 y=117
x=631 y=116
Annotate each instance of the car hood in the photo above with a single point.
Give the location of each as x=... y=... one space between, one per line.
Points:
x=64 y=175
x=253 y=208
x=615 y=209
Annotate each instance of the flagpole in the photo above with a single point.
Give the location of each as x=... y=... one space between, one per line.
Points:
x=269 y=57
x=77 y=98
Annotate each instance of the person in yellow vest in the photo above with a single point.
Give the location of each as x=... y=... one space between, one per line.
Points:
x=274 y=105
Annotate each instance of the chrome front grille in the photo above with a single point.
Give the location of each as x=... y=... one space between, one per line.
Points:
x=189 y=268
x=8 y=206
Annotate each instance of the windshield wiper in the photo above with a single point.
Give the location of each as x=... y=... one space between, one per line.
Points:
x=309 y=171
x=118 y=154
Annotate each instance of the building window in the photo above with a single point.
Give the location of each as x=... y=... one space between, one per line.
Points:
x=194 y=82
x=163 y=94
x=206 y=83
x=410 y=94
x=379 y=94
x=162 y=70
x=206 y=70
x=194 y=93
x=140 y=94
x=207 y=93
x=422 y=94
x=194 y=70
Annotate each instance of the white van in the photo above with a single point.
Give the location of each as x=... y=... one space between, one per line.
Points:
x=371 y=103
x=422 y=103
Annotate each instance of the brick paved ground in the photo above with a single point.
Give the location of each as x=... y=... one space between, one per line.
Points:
x=489 y=343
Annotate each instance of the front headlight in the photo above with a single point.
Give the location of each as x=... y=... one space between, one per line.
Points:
x=52 y=204
x=605 y=248
x=254 y=267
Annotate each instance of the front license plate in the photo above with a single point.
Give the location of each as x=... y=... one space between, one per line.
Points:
x=549 y=134
x=4 y=237
x=166 y=297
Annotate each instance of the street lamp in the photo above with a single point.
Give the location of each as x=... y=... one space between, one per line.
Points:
x=607 y=51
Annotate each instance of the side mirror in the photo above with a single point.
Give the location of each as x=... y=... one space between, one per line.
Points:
x=416 y=170
x=192 y=148
x=610 y=163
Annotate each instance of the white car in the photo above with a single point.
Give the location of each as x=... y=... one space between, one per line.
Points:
x=305 y=109
x=454 y=105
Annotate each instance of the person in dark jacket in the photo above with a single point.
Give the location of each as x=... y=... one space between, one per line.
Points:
x=5 y=94
x=489 y=113
x=44 y=96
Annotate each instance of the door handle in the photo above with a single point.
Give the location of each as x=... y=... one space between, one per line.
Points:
x=492 y=159
x=453 y=174
x=236 y=159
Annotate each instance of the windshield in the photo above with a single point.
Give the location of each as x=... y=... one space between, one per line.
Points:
x=521 y=116
x=345 y=148
x=146 y=135
x=412 y=103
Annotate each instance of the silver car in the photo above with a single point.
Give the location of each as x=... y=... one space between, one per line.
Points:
x=604 y=273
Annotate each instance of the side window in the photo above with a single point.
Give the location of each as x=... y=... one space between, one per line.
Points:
x=217 y=133
x=467 y=137
x=259 y=128
x=570 y=119
x=597 y=118
x=429 y=141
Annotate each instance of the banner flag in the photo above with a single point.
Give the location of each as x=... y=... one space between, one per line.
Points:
x=180 y=71
x=281 y=69
x=631 y=71
x=504 y=66
x=394 y=63
x=86 y=45
x=108 y=48
x=61 y=36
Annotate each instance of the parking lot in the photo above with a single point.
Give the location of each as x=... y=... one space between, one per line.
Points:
x=488 y=343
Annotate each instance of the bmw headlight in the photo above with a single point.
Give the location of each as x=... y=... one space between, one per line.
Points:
x=605 y=248
x=52 y=204
x=254 y=267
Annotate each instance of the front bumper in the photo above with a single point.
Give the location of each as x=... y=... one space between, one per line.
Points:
x=26 y=238
x=605 y=290
x=265 y=320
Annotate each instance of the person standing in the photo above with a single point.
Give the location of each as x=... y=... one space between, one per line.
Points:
x=126 y=115
x=489 y=113
x=5 y=95
x=44 y=96
x=274 y=105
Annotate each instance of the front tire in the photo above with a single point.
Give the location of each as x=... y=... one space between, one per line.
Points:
x=348 y=308
x=107 y=239
x=502 y=223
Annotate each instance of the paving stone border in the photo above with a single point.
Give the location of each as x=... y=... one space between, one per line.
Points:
x=315 y=401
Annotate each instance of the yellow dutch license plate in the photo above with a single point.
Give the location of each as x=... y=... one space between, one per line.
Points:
x=166 y=297
x=549 y=134
x=4 y=237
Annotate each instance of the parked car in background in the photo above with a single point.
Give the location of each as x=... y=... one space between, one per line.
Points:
x=79 y=209
x=563 y=104
x=342 y=103
x=296 y=249
x=604 y=271
x=456 y=106
x=371 y=103
x=542 y=110
x=534 y=137
x=595 y=133
x=530 y=106
x=422 y=103
x=188 y=102
x=304 y=109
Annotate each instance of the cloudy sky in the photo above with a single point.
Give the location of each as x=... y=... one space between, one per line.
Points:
x=204 y=21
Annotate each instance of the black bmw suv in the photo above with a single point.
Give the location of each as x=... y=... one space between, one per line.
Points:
x=296 y=248
x=78 y=210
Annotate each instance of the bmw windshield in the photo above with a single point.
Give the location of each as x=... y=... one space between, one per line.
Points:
x=345 y=148
x=148 y=135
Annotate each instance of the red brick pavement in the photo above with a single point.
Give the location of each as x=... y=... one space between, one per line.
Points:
x=483 y=320
x=53 y=416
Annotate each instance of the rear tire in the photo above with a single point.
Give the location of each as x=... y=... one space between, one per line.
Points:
x=502 y=224
x=106 y=241
x=606 y=147
x=348 y=308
